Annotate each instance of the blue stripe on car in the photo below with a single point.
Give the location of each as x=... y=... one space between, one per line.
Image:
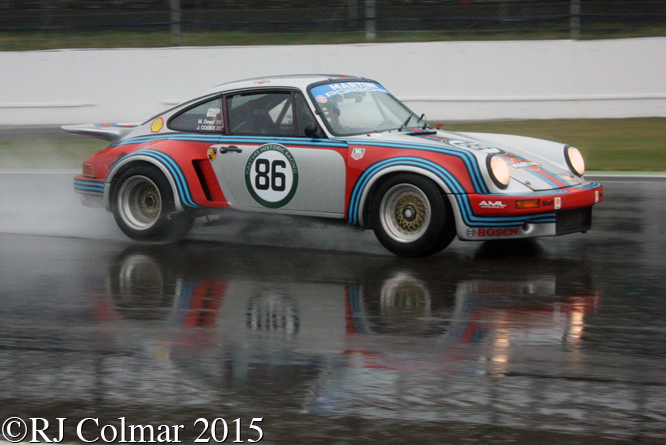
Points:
x=232 y=139
x=174 y=170
x=454 y=186
x=469 y=159
x=89 y=187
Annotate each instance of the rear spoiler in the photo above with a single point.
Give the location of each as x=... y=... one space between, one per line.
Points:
x=108 y=132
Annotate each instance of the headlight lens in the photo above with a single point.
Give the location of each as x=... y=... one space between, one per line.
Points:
x=499 y=171
x=574 y=160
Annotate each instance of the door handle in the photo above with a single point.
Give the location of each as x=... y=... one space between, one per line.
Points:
x=224 y=149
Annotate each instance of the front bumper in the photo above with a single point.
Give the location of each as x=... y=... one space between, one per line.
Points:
x=548 y=213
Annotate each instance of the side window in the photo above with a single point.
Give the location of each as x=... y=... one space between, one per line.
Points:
x=261 y=114
x=202 y=118
x=303 y=114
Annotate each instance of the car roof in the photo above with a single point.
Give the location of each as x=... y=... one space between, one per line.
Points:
x=294 y=80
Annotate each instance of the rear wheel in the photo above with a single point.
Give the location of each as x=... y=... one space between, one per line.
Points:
x=144 y=208
x=411 y=216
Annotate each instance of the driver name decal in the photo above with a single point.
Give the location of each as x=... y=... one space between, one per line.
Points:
x=271 y=176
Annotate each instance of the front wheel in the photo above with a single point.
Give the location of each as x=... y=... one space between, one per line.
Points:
x=411 y=216
x=143 y=206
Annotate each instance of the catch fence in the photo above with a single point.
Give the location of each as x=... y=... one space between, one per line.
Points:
x=316 y=21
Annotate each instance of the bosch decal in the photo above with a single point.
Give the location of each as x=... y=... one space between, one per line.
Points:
x=497 y=233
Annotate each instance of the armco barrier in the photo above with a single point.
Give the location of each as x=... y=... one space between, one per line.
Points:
x=444 y=80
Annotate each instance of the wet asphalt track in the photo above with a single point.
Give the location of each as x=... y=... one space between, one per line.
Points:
x=328 y=338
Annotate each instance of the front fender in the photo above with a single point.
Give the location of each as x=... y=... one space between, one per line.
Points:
x=358 y=214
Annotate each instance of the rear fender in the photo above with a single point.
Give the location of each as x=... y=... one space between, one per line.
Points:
x=127 y=162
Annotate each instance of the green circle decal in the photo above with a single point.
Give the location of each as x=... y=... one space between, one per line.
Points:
x=271 y=176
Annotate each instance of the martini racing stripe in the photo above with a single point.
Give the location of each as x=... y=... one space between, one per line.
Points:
x=176 y=137
x=545 y=179
x=259 y=140
x=453 y=184
x=356 y=309
x=174 y=170
x=468 y=158
x=89 y=187
x=113 y=124
x=541 y=172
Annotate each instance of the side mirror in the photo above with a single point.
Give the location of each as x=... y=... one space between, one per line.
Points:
x=310 y=130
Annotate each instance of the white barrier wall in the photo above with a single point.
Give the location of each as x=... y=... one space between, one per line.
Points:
x=445 y=80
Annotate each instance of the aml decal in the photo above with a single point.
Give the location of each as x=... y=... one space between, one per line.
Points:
x=492 y=204
x=271 y=176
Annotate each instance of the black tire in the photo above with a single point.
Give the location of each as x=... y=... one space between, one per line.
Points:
x=411 y=217
x=142 y=286
x=143 y=206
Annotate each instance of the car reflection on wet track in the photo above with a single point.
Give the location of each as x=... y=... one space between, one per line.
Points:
x=533 y=342
x=294 y=330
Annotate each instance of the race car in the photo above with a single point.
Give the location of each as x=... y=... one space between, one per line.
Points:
x=336 y=147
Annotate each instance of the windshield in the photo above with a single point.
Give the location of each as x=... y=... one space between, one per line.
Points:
x=359 y=108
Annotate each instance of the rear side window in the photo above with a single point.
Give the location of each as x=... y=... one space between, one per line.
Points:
x=205 y=117
x=261 y=114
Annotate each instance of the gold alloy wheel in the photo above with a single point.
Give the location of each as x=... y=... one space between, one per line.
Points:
x=410 y=213
x=139 y=202
x=405 y=213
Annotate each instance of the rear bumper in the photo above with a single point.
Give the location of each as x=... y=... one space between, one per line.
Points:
x=92 y=191
x=551 y=213
x=89 y=186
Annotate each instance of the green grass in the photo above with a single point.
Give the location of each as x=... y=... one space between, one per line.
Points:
x=18 y=154
x=607 y=144
x=46 y=40
x=637 y=144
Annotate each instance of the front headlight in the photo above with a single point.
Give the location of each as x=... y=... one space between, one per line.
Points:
x=574 y=160
x=499 y=171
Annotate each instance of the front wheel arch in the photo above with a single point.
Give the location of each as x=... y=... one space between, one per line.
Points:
x=367 y=223
x=411 y=215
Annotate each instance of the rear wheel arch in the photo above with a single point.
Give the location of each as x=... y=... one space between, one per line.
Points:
x=118 y=170
x=142 y=199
